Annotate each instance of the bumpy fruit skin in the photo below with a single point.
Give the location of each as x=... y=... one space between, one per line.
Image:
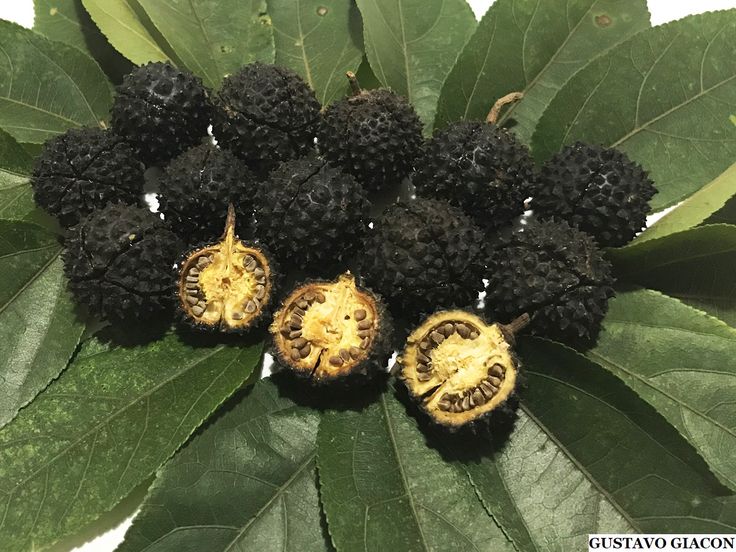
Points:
x=599 y=190
x=84 y=169
x=424 y=255
x=478 y=167
x=161 y=110
x=311 y=215
x=375 y=136
x=266 y=114
x=556 y=274
x=118 y=261
x=197 y=188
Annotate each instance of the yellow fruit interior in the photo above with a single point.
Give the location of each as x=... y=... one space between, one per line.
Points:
x=338 y=321
x=457 y=364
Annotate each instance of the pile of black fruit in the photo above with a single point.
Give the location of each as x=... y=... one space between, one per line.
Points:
x=292 y=185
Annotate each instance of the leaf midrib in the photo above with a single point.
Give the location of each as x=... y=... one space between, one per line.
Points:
x=404 y=479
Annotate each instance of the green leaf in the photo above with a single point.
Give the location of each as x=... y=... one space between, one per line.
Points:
x=214 y=38
x=696 y=209
x=725 y=215
x=319 y=41
x=16 y=196
x=383 y=488
x=413 y=44
x=109 y=421
x=67 y=21
x=129 y=30
x=47 y=87
x=38 y=328
x=696 y=266
x=247 y=481
x=665 y=97
x=629 y=452
x=680 y=361
x=530 y=466
x=536 y=46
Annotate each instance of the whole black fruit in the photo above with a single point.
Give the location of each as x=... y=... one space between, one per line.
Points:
x=84 y=169
x=556 y=274
x=161 y=111
x=599 y=190
x=266 y=114
x=479 y=167
x=374 y=135
x=119 y=263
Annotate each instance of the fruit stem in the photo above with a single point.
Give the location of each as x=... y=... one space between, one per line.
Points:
x=495 y=111
x=354 y=84
x=515 y=326
x=229 y=234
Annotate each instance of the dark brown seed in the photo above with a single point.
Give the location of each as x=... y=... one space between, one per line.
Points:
x=319 y=297
x=194 y=271
x=259 y=272
x=192 y=300
x=344 y=355
x=237 y=315
x=463 y=330
x=424 y=377
x=444 y=405
x=198 y=310
x=251 y=307
x=309 y=296
x=423 y=368
x=336 y=361
x=355 y=352
x=494 y=381
x=294 y=334
x=260 y=291
x=448 y=329
x=474 y=335
x=295 y=354
x=458 y=406
x=299 y=312
x=466 y=402
x=250 y=263
x=192 y=279
x=478 y=398
x=364 y=344
x=437 y=337
x=487 y=389
x=497 y=370
x=304 y=351
x=204 y=262
x=423 y=358
x=365 y=325
x=190 y=285
x=364 y=333
x=360 y=314
x=299 y=343
x=302 y=304
x=424 y=345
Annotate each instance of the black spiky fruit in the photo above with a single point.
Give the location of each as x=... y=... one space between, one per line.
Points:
x=374 y=135
x=198 y=186
x=311 y=215
x=83 y=170
x=118 y=262
x=556 y=274
x=599 y=190
x=161 y=110
x=424 y=255
x=479 y=167
x=266 y=114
